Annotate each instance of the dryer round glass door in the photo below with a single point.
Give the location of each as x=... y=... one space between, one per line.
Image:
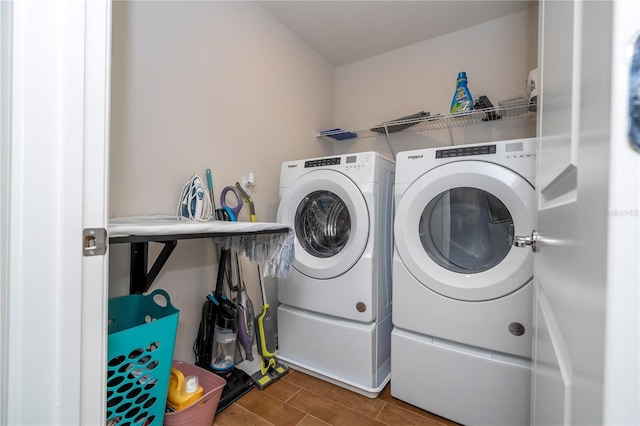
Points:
x=455 y=225
x=331 y=222
x=323 y=224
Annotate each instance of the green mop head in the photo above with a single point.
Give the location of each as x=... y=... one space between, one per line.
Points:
x=262 y=380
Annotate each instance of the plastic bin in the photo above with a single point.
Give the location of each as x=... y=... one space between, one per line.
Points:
x=142 y=334
x=203 y=410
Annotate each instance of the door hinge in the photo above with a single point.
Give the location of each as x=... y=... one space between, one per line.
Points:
x=94 y=241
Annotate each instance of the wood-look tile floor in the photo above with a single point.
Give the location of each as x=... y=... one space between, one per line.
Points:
x=300 y=399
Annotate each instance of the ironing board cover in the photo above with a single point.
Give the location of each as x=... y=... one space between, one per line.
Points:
x=273 y=251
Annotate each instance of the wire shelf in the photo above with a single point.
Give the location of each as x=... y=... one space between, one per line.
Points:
x=436 y=122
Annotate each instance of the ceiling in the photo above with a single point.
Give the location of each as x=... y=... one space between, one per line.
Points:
x=349 y=31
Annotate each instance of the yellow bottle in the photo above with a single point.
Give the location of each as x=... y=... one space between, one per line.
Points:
x=183 y=391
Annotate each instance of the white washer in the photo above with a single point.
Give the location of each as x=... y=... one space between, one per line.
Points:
x=462 y=294
x=334 y=321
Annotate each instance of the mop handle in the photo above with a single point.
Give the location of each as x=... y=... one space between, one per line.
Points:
x=249 y=200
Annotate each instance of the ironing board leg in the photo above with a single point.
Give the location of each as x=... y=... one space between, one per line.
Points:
x=140 y=279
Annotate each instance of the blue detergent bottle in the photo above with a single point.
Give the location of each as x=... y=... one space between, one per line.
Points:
x=462 y=100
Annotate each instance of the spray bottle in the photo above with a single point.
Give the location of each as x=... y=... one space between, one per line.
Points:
x=462 y=100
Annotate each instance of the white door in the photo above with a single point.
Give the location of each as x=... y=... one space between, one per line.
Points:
x=54 y=299
x=329 y=216
x=586 y=273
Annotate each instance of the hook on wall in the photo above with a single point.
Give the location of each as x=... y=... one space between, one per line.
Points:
x=248 y=182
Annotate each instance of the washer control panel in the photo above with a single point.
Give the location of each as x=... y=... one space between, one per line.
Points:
x=334 y=161
x=466 y=151
x=515 y=149
x=520 y=149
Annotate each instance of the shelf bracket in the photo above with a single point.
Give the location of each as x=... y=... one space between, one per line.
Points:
x=450 y=130
x=140 y=279
x=386 y=132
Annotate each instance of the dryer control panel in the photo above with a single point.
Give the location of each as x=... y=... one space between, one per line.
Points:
x=348 y=162
x=360 y=167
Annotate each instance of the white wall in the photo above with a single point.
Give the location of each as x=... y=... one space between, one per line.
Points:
x=496 y=55
x=197 y=85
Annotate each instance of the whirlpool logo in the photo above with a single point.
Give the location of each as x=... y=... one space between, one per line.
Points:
x=292 y=166
x=415 y=157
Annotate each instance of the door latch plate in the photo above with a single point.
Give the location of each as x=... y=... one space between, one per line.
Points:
x=94 y=241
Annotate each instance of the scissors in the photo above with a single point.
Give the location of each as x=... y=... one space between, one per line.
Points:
x=232 y=212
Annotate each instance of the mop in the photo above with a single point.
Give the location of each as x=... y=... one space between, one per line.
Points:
x=270 y=369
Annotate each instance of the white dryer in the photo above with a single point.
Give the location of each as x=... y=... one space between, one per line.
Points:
x=334 y=321
x=462 y=294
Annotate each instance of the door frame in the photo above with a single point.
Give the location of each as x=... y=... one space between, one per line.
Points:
x=622 y=343
x=53 y=347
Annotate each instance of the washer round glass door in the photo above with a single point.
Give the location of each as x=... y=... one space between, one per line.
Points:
x=455 y=226
x=331 y=222
x=466 y=230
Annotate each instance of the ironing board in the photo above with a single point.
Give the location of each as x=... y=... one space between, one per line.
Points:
x=269 y=244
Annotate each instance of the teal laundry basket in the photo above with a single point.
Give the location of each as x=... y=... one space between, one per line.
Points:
x=142 y=334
